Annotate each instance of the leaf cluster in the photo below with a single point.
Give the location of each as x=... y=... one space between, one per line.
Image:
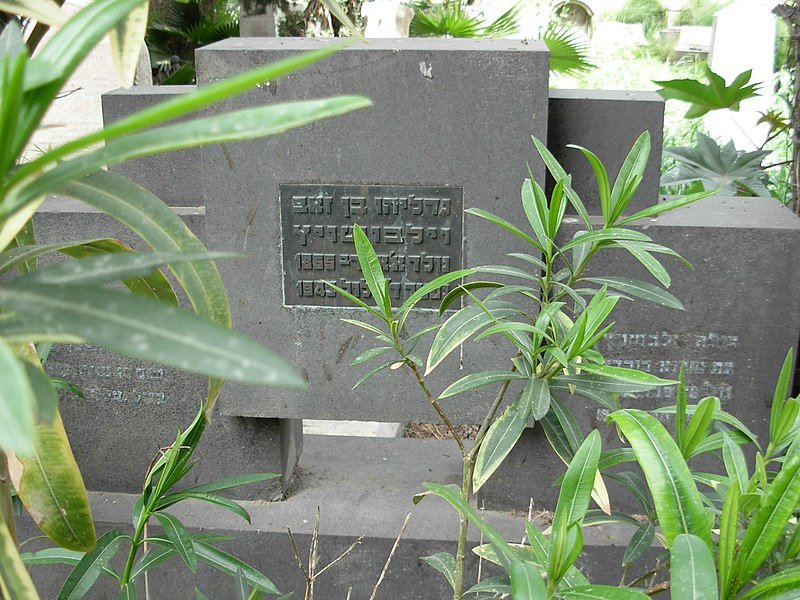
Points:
x=71 y=301
x=159 y=495
x=733 y=172
x=737 y=540
x=714 y=95
x=453 y=19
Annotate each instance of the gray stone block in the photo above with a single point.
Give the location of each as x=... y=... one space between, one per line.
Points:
x=742 y=314
x=339 y=477
x=425 y=129
x=607 y=123
x=132 y=408
x=175 y=177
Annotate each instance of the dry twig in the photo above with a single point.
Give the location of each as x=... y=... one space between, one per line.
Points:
x=389 y=560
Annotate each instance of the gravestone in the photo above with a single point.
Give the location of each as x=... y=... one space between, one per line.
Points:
x=404 y=169
x=131 y=409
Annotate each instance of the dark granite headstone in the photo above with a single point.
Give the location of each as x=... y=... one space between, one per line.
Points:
x=450 y=117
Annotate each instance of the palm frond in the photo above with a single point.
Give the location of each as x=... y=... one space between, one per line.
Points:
x=569 y=53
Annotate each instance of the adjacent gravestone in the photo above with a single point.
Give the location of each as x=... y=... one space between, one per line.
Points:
x=131 y=409
x=741 y=317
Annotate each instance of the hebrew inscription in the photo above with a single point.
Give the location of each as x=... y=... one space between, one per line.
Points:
x=415 y=230
x=708 y=360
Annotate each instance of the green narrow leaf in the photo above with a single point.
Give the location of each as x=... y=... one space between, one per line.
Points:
x=680 y=409
x=540 y=397
x=667 y=206
x=678 y=503
x=639 y=289
x=576 y=489
x=603 y=592
x=484 y=214
x=599 y=383
x=649 y=262
x=603 y=186
x=179 y=537
x=692 y=572
x=452 y=494
x=86 y=572
x=463 y=289
x=15 y=582
x=428 y=288
x=633 y=167
x=373 y=273
x=786 y=580
x=562 y=430
x=338 y=12
x=249 y=123
x=698 y=425
x=459 y=327
x=149 y=330
x=17 y=404
x=128 y=592
x=582 y=238
x=535 y=206
x=627 y=375
x=475 y=380
x=368 y=355
x=44 y=11
x=735 y=463
x=241 y=585
x=640 y=541
x=222 y=561
x=768 y=523
x=500 y=439
x=209 y=497
x=526 y=582
x=155 y=555
x=444 y=563
x=779 y=397
x=558 y=173
x=728 y=529
x=374 y=371
x=107 y=268
x=491 y=585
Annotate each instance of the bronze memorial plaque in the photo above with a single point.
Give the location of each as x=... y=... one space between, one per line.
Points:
x=415 y=230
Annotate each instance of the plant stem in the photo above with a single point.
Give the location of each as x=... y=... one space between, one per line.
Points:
x=463 y=529
x=6 y=506
x=438 y=408
x=135 y=543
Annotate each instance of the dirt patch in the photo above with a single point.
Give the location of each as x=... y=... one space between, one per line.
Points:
x=439 y=432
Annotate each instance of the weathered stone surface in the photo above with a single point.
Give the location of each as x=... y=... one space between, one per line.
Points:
x=423 y=130
x=607 y=123
x=175 y=177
